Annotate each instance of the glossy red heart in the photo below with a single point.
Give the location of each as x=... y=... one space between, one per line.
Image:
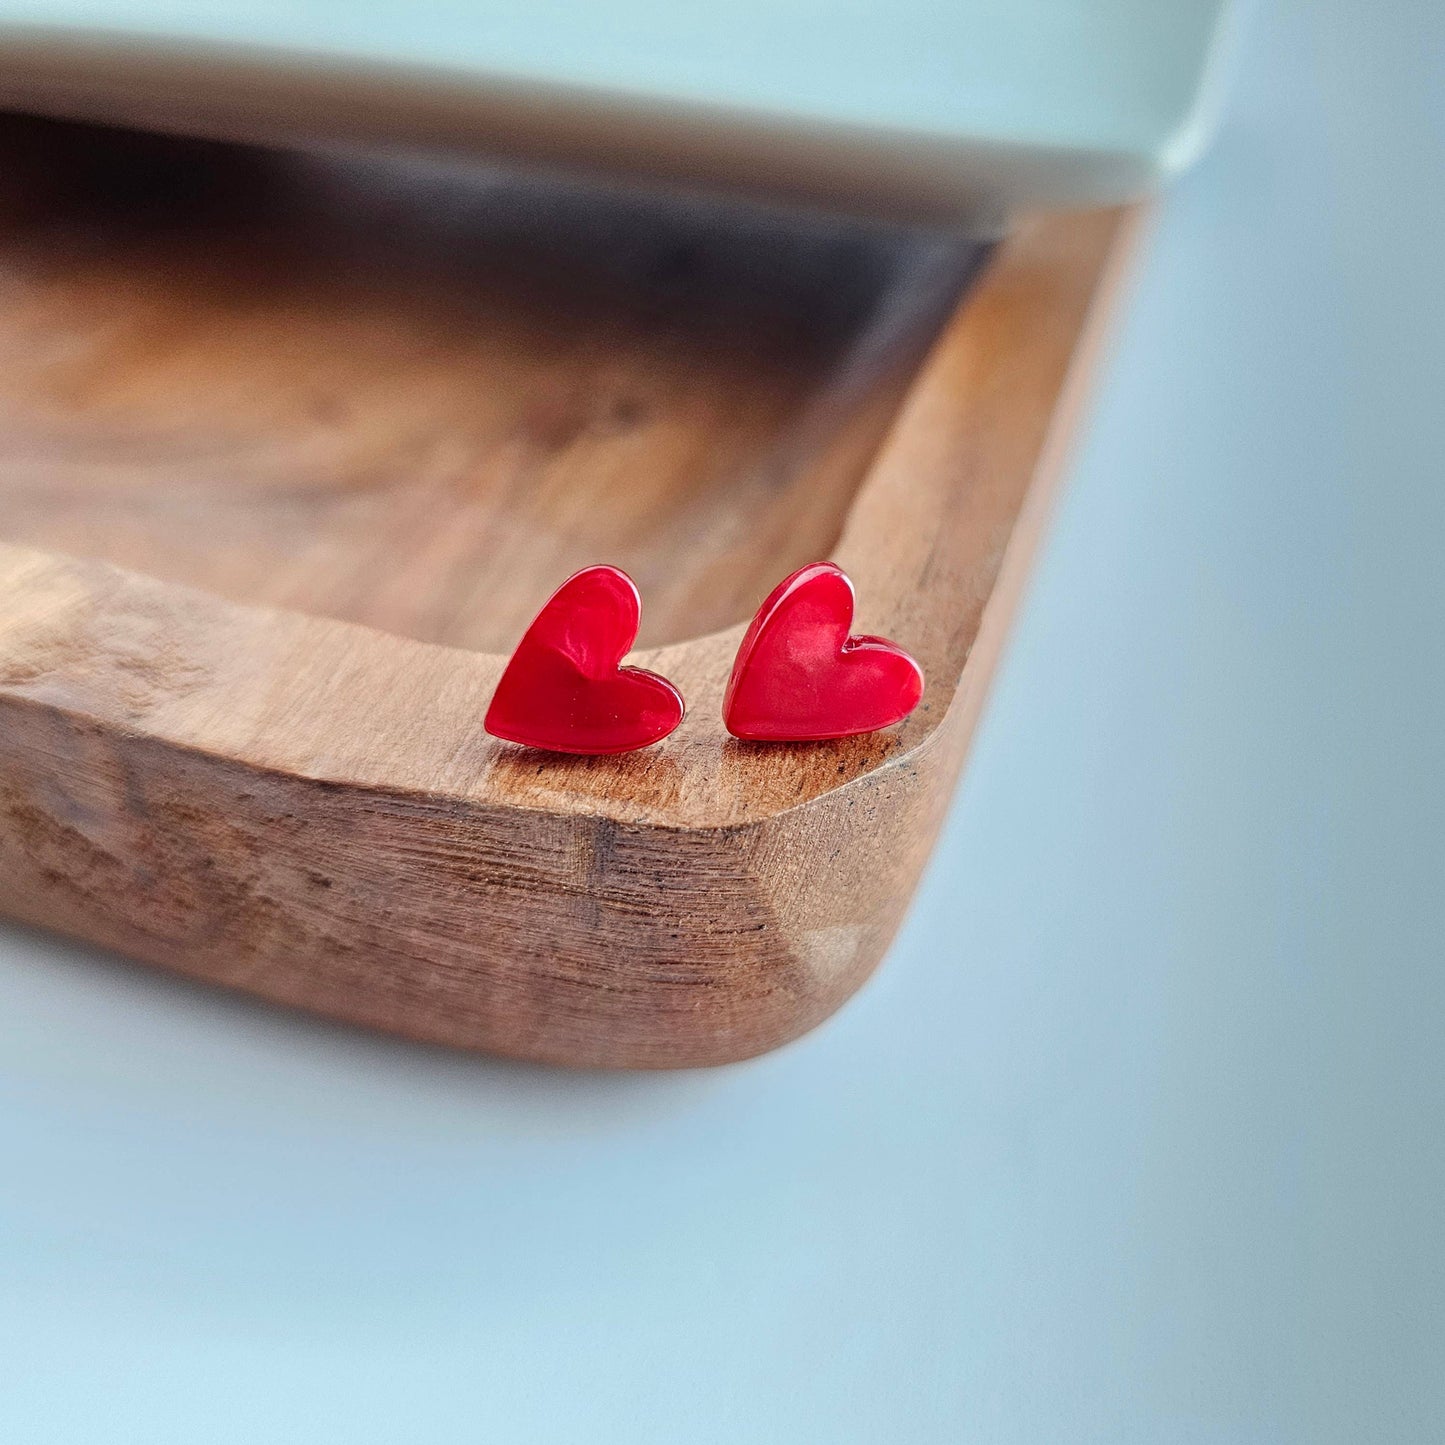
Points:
x=800 y=676
x=565 y=689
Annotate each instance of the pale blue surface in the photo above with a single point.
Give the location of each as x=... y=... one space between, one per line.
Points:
x=1105 y=74
x=1137 y=1136
x=942 y=109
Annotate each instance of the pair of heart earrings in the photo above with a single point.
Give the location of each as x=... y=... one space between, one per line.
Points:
x=798 y=675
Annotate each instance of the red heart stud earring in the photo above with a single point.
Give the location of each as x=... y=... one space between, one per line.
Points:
x=799 y=676
x=565 y=689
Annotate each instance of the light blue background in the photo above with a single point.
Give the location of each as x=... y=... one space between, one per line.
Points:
x=1136 y=1137
x=1114 y=75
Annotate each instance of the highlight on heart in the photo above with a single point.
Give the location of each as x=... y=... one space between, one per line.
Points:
x=800 y=675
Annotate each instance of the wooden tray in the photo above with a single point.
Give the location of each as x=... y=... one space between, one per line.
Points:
x=292 y=447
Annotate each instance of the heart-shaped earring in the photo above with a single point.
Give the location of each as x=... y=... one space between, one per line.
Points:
x=565 y=689
x=799 y=676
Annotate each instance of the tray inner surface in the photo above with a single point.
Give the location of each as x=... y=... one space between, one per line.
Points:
x=415 y=394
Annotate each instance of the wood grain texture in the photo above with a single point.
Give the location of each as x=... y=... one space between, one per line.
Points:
x=417 y=395
x=283 y=800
